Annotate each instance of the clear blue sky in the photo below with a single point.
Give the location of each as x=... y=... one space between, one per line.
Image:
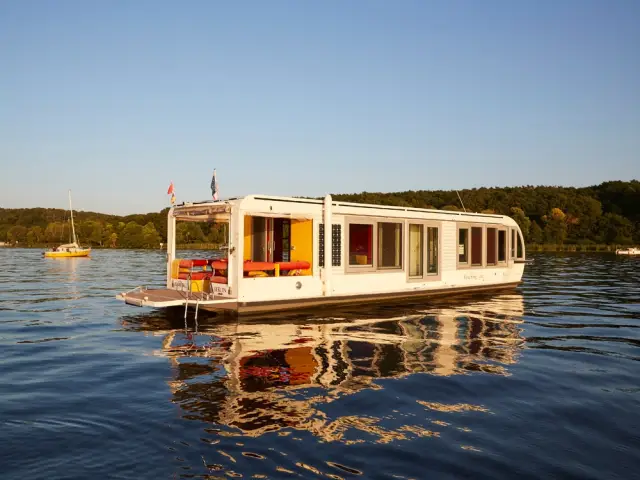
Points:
x=116 y=99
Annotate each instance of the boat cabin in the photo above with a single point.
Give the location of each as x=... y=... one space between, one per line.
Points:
x=280 y=254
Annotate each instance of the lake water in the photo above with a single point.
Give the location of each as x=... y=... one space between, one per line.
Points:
x=542 y=382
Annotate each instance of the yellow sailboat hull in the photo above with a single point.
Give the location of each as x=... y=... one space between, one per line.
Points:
x=80 y=253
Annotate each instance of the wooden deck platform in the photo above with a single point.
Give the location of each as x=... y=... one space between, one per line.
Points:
x=164 y=297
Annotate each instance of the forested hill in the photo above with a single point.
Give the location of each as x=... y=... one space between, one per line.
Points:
x=38 y=226
x=605 y=213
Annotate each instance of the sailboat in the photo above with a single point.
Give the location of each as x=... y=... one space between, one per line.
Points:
x=69 y=249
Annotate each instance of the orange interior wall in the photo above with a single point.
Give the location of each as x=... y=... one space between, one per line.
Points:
x=248 y=231
x=302 y=242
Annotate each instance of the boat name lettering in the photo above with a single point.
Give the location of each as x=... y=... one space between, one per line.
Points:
x=474 y=277
x=220 y=289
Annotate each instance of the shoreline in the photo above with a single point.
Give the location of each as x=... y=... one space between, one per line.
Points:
x=542 y=247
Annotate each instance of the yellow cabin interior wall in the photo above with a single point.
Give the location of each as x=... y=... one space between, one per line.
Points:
x=302 y=242
x=248 y=233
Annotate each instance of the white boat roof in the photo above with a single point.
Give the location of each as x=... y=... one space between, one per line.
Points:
x=208 y=206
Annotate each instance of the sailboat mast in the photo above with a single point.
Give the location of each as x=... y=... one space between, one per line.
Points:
x=73 y=230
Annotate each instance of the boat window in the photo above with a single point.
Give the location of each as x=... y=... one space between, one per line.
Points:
x=416 y=235
x=520 y=248
x=336 y=245
x=502 y=246
x=280 y=247
x=513 y=243
x=476 y=246
x=389 y=245
x=360 y=244
x=277 y=247
x=492 y=246
x=432 y=250
x=259 y=239
x=463 y=245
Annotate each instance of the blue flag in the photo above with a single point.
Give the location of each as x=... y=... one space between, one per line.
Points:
x=214 y=186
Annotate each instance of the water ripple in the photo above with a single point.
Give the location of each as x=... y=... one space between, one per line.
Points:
x=541 y=382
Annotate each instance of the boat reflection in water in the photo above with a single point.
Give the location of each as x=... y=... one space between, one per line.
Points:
x=266 y=375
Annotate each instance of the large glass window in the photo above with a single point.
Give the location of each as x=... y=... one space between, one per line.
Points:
x=476 y=245
x=492 y=257
x=502 y=246
x=463 y=245
x=389 y=245
x=416 y=236
x=432 y=250
x=360 y=244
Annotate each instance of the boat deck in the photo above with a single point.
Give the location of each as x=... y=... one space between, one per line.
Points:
x=164 y=297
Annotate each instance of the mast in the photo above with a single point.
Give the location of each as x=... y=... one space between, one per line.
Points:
x=73 y=230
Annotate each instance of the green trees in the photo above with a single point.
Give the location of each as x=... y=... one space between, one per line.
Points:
x=218 y=233
x=614 y=228
x=522 y=220
x=189 y=232
x=605 y=213
x=545 y=214
x=57 y=232
x=555 y=230
x=17 y=234
x=135 y=235
x=535 y=233
x=150 y=236
x=131 y=236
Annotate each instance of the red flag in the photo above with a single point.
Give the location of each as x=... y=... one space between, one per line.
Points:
x=170 y=191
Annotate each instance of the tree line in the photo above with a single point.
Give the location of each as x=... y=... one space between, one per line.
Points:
x=50 y=226
x=608 y=213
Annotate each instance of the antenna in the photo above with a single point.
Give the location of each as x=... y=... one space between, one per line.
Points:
x=465 y=210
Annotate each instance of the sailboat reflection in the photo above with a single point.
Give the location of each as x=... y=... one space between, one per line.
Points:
x=265 y=376
x=67 y=274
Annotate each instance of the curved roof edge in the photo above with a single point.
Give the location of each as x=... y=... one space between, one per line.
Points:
x=338 y=203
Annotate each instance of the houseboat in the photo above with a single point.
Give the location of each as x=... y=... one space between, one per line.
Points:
x=281 y=255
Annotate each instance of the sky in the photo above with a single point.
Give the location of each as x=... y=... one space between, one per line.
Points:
x=114 y=100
